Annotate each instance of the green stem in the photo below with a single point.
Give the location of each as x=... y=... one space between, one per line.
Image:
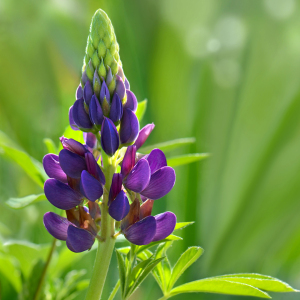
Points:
x=107 y=242
x=42 y=278
x=114 y=291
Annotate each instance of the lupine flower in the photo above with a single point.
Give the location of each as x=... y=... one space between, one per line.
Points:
x=150 y=176
x=143 y=135
x=79 y=229
x=140 y=228
x=74 y=175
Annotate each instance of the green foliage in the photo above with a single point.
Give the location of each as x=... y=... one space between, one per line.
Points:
x=141 y=109
x=186 y=159
x=19 y=203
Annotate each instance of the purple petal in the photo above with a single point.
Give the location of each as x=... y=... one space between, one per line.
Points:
x=93 y=168
x=80 y=116
x=131 y=102
x=142 y=232
x=90 y=187
x=119 y=208
x=71 y=120
x=104 y=92
x=128 y=160
x=127 y=85
x=120 y=87
x=56 y=225
x=165 y=224
x=156 y=160
x=94 y=210
x=116 y=109
x=109 y=137
x=53 y=168
x=71 y=163
x=116 y=186
x=139 y=176
x=79 y=92
x=87 y=92
x=79 y=239
x=161 y=183
x=143 y=135
x=90 y=139
x=95 y=111
x=61 y=195
x=73 y=146
x=129 y=128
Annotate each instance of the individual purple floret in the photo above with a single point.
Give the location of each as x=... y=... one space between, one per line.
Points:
x=79 y=229
x=140 y=228
x=109 y=137
x=74 y=175
x=129 y=128
x=143 y=135
x=150 y=176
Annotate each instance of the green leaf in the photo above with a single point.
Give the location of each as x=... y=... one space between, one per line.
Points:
x=122 y=271
x=219 y=286
x=184 y=261
x=186 y=159
x=169 y=145
x=141 y=109
x=181 y=225
x=51 y=147
x=266 y=283
x=9 y=270
x=18 y=203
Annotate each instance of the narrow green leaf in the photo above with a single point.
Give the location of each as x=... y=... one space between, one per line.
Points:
x=184 y=261
x=123 y=250
x=114 y=291
x=51 y=147
x=169 y=145
x=181 y=225
x=18 y=203
x=266 y=283
x=141 y=109
x=219 y=286
x=122 y=271
x=186 y=159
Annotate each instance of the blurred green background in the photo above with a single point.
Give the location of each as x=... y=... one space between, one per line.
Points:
x=225 y=72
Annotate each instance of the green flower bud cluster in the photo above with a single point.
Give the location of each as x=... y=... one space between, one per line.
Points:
x=102 y=59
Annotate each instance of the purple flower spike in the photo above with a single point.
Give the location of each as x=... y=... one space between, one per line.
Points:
x=87 y=92
x=142 y=232
x=80 y=117
x=90 y=187
x=73 y=146
x=90 y=139
x=120 y=87
x=138 y=178
x=95 y=111
x=128 y=160
x=93 y=168
x=56 y=225
x=131 y=102
x=165 y=224
x=61 y=195
x=53 y=168
x=79 y=92
x=71 y=120
x=129 y=128
x=109 y=137
x=71 y=163
x=143 y=135
x=156 y=160
x=116 y=109
x=79 y=239
x=104 y=92
x=127 y=85
x=119 y=208
x=161 y=183
x=116 y=187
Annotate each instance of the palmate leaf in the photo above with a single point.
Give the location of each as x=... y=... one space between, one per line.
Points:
x=186 y=159
x=18 y=203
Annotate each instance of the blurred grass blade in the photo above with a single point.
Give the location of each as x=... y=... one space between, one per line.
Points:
x=18 y=203
x=51 y=147
x=122 y=271
x=219 y=286
x=181 y=225
x=184 y=261
x=169 y=145
x=186 y=159
x=266 y=283
x=8 y=270
x=142 y=106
